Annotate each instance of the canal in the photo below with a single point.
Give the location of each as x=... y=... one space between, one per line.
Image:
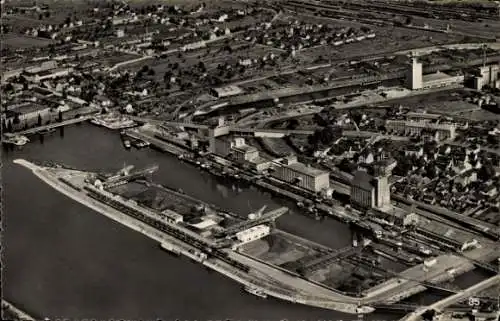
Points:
x=65 y=260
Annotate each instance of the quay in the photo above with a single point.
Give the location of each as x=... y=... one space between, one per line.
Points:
x=55 y=125
x=235 y=266
x=10 y=312
x=248 y=271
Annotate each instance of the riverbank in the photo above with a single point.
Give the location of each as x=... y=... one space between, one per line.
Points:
x=10 y=312
x=281 y=288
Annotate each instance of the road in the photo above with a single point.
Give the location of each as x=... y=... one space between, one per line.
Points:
x=462 y=295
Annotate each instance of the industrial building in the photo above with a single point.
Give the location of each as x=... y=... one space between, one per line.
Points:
x=172 y=217
x=290 y=170
x=38 y=76
x=415 y=79
x=370 y=187
x=253 y=233
x=239 y=151
x=408 y=127
x=488 y=76
x=235 y=148
x=227 y=91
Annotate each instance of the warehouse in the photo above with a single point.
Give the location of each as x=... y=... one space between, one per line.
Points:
x=443 y=131
x=290 y=170
x=227 y=91
x=254 y=233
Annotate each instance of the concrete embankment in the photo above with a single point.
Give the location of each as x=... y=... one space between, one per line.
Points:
x=10 y=312
x=261 y=283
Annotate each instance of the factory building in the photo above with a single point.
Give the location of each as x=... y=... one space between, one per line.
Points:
x=254 y=233
x=370 y=187
x=38 y=76
x=290 y=170
x=227 y=91
x=442 y=131
x=415 y=79
x=362 y=191
x=488 y=76
x=236 y=149
x=172 y=217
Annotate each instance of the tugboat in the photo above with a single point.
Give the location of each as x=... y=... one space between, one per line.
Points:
x=255 y=291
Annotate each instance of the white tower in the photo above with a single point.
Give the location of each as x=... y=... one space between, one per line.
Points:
x=414 y=77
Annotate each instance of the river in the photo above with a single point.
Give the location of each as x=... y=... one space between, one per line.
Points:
x=65 y=260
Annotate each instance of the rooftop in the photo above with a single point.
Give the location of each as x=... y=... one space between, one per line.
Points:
x=306 y=169
x=435 y=77
x=245 y=148
x=362 y=180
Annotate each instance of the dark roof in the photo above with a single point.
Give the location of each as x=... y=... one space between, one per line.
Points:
x=362 y=180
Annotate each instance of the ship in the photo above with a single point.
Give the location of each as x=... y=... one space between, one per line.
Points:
x=255 y=291
x=12 y=139
x=47 y=131
x=140 y=143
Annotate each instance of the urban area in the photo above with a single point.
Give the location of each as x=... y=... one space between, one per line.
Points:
x=383 y=115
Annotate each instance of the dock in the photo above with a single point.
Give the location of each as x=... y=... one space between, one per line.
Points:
x=55 y=125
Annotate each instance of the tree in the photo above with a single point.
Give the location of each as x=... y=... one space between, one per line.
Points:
x=4 y=125
x=9 y=126
x=429 y=315
x=60 y=117
x=39 y=120
x=16 y=119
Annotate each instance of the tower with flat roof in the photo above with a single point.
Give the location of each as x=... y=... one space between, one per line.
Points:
x=382 y=170
x=414 y=77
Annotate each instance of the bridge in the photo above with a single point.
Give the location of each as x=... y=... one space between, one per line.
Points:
x=55 y=125
x=483 y=265
x=168 y=123
x=458 y=297
x=409 y=307
x=272 y=133
x=119 y=179
x=268 y=217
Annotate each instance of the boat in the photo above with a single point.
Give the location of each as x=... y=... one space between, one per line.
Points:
x=127 y=143
x=47 y=131
x=18 y=140
x=141 y=144
x=255 y=291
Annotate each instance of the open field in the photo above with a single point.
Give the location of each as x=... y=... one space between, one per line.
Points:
x=15 y=41
x=277 y=249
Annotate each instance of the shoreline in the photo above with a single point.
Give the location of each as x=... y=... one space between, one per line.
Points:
x=319 y=301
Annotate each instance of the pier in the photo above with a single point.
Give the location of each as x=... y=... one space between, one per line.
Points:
x=55 y=125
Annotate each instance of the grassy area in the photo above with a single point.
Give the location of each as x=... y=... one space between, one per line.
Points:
x=16 y=41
